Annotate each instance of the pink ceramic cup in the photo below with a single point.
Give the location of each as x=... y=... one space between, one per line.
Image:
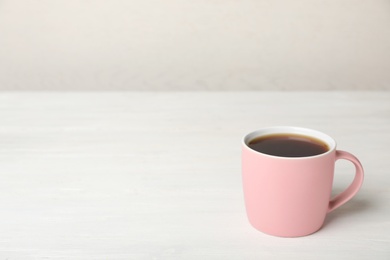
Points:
x=290 y=196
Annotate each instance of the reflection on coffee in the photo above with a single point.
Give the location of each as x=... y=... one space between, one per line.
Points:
x=288 y=145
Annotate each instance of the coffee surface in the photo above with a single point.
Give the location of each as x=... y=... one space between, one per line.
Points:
x=288 y=145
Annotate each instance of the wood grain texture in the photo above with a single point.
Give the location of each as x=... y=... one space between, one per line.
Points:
x=157 y=175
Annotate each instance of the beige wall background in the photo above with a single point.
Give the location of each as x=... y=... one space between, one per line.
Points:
x=195 y=45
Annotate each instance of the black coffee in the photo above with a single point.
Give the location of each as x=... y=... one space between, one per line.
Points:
x=288 y=145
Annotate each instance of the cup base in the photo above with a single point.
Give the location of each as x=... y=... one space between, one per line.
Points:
x=287 y=234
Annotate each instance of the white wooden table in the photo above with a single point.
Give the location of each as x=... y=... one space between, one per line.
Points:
x=157 y=175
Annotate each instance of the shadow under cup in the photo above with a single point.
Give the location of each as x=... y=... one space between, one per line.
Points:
x=290 y=196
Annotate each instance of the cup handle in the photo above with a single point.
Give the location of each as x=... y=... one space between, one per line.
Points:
x=347 y=194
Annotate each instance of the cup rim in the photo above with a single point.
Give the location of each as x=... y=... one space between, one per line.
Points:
x=290 y=130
